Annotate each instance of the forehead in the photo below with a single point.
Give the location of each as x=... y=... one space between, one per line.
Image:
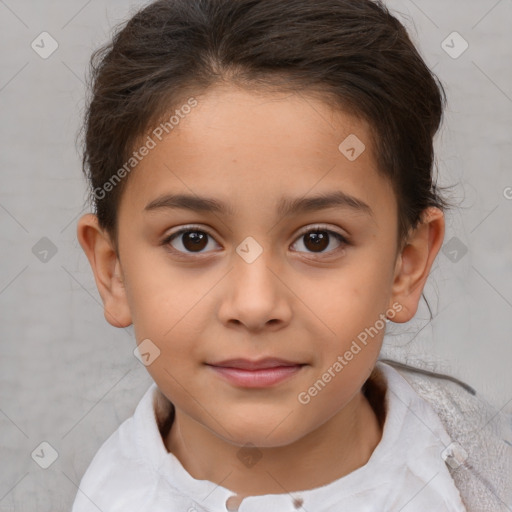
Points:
x=255 y=148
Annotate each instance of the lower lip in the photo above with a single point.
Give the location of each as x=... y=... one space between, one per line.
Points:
x=257 y=378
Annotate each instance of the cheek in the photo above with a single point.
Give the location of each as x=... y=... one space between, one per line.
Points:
x=163 y=298
x=347 y=311
x=371 y=275
x=349 y=296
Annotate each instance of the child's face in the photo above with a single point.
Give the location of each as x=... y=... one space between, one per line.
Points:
x=303 y=299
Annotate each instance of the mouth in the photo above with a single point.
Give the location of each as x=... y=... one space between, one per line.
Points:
x=256 y=374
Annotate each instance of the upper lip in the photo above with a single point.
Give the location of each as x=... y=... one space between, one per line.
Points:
x=248 y=364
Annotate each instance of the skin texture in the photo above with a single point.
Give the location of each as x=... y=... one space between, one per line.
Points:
x=294 y=302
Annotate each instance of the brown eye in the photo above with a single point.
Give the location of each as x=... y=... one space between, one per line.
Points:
x=194 y=240
x=318 y=240
x=188 y=241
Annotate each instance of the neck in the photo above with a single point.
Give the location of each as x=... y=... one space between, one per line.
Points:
x=341 y=445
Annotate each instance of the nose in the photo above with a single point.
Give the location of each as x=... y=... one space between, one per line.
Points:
x=254 y=296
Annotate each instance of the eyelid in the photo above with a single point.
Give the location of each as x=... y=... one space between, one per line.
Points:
x=184 y=229
x=184 y=255
x=189 y=227
x=321 y=227
x=344 y=239
x=307 y=229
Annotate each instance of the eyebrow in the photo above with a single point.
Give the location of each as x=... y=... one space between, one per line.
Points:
x=286 y=207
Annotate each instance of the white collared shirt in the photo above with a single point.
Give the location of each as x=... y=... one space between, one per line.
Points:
x=133 y=471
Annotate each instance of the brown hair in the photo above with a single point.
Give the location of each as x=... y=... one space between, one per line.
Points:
x=352 y=52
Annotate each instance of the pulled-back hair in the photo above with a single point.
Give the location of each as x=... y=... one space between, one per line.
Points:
x=351 y=53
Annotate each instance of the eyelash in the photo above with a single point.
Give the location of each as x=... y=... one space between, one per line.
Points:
x=194 y=229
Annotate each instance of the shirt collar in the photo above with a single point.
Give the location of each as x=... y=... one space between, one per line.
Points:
x=400 y=400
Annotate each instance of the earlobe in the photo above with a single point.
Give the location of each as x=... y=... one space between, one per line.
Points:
x=106 y=268
x=415 y=261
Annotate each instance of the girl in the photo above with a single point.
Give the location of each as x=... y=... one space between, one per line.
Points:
x=264 y=205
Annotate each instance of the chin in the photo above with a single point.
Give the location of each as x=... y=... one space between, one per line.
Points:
x=263 y=431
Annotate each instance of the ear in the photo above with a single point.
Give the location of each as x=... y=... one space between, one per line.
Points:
x=415 y=261
x=107 y=270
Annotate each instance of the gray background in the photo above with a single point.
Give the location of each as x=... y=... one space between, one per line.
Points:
x=69 y=378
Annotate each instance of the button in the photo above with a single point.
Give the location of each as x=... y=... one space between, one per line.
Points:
x=454 y=455
x=233 y=502
x=298 y=502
